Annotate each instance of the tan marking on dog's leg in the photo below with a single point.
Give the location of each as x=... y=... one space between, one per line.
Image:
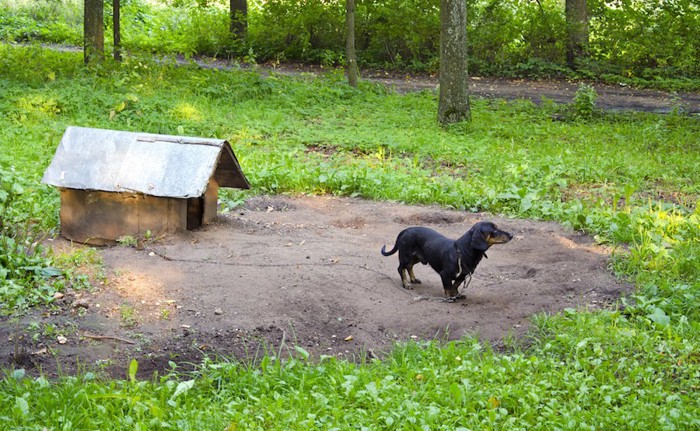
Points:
x=412 y=276
x=405 y=281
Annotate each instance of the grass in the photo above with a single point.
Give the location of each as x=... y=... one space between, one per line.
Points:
x=629 y=179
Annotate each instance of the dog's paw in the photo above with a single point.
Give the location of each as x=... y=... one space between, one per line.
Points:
x=407 y=286
x=416 y=281
x=453 y=298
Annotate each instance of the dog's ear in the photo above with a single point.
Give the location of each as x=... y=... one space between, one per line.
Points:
x=478 y=240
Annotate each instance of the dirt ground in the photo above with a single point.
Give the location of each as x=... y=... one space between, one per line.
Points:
x=612 y=98
x=301 y=271
x=609 y=97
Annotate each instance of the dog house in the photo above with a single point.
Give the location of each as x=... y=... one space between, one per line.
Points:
x=116 y=183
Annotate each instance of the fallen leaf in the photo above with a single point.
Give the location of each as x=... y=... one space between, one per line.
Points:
x=349 y=338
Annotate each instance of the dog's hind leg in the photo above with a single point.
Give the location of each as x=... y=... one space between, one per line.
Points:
x=412 y=276
x=406 y=270
x=404 y=273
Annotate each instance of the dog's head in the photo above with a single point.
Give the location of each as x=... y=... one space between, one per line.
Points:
x=485 y=234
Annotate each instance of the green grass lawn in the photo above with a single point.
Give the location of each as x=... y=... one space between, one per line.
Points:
x=631 y=180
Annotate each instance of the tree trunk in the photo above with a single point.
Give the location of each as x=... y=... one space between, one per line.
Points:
x=116 y=26
x=350 y=54
x=239 y=18
x=93 y=30
x=577 y=28
x=454 y=91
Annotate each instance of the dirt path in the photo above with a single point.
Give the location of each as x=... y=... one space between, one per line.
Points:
x=610 y=97
x=306 y=271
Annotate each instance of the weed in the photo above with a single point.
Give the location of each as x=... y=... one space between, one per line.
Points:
x=127 y=241
x=128 y=316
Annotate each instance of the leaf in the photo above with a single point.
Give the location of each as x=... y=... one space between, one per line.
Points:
x=22 y=406
x=50 y=272
x=493 y=402
x=659 y=317
x=302 y=352
x=133 y=368
x=182 y=388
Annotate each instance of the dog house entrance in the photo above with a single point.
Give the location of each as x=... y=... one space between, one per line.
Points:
x=195 y=213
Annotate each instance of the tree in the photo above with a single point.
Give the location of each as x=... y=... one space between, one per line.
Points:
x=117 y=33
x=577 y=30
x=350 y=54
x=93 y=30
x=239 y=18
x=453 y=105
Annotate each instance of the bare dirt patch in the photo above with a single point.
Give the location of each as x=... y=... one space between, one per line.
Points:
x=303 y=271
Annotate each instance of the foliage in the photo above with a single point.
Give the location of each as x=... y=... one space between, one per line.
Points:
x=630 y=179
x=646 y=43
x=45 y=20
x=24 y=268
x=580 y=377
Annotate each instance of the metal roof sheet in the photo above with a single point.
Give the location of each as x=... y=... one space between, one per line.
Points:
x=157 y=165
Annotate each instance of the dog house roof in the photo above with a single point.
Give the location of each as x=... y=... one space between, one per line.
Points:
x=156 y=165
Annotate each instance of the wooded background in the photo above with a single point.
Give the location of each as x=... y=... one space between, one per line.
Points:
x=610 y=40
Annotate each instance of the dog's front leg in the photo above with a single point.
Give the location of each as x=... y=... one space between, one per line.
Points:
x=452 y=287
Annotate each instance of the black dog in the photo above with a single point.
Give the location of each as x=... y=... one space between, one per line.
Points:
x=454 y=260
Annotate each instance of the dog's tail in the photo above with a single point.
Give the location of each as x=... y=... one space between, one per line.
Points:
x=396 y=246
x=390 y=252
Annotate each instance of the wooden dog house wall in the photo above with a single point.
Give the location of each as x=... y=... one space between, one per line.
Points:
x=115 y=183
